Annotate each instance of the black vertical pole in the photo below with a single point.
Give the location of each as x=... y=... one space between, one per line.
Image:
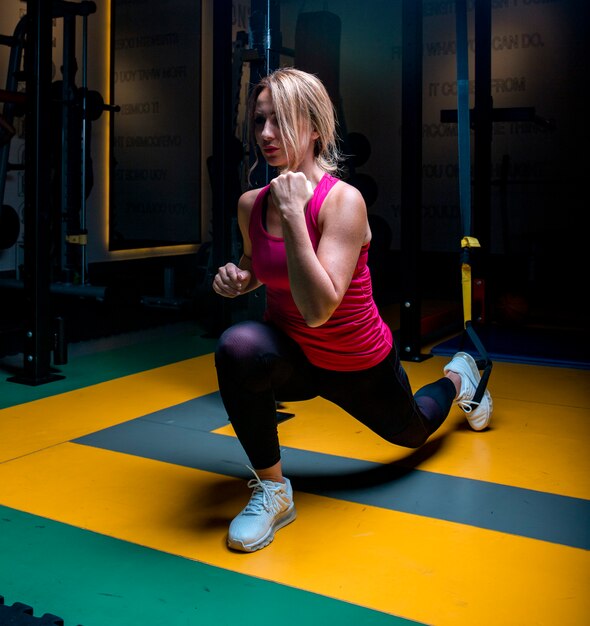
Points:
x=482 y=142
x=70 y=152
x=411 y=181
x=266 y=39
x=38 y=324
x=222 y=149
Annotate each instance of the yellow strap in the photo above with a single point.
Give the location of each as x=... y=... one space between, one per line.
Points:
x=81 y=239
x=470 y=242
x=466 y=284
x=467 y=242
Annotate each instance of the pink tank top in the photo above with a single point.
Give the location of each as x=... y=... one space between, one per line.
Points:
x=355 y=337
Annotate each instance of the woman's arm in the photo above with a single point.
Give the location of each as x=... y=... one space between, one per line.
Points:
x=234 y=280
x=320 y=280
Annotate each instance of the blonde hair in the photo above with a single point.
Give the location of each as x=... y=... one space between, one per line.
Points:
x=301 y=103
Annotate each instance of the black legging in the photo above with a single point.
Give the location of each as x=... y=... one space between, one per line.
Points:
x=257 y=365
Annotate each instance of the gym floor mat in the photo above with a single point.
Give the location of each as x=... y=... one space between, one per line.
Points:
x=137 y=475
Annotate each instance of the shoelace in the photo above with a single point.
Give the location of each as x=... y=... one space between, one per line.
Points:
x=467 y=405
x=262 y=497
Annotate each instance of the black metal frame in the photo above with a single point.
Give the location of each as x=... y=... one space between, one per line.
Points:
x=222 y=146
x=44 y=335
x=266 y=48
x=39 y=334
x=411 y=196
x=266 y=41
x=411 y=183
x=482 y=133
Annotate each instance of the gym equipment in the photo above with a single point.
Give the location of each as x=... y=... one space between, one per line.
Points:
x=38 y=331
x=14 y=102
x=467 y=242
x=266 y=45
x=19 y=614
x=262 y=55
x=9 y=227
x=57 y=132
x=411 y=183
x=7 y=130
x=73 y=110
x=223 y=139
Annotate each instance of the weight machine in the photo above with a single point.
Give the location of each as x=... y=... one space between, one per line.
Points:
x=57 y=171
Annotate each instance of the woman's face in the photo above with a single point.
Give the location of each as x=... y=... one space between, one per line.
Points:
x=266 y=130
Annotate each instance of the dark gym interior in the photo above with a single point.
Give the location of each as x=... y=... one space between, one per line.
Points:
x=123 y=151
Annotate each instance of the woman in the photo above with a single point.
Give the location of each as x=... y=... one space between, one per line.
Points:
x=306 y=237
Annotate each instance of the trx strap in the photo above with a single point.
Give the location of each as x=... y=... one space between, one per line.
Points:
x=467 y=242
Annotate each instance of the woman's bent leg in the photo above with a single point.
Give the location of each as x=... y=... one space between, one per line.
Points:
x=256 y=364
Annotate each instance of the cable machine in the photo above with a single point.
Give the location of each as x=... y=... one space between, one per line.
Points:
x=468 y=241
x=38 y=341
x=58 y=175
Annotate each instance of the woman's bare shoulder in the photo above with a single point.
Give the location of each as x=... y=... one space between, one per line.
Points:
x=248 y=198
x=343 y=191
x=342 y=199
x=245 y=204
x=345 y=209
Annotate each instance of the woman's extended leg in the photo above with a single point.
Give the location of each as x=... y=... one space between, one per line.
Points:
x=382 y=399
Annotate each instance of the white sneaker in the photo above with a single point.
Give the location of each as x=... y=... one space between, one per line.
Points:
x=270 y=508
x=478 y=414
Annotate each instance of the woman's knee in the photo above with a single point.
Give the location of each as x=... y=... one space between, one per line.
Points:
x=242 y=342
x=243 y=356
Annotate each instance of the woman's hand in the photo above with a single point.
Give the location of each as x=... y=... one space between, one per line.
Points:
x=290 y=193
x=320 y=277
x=231 y=281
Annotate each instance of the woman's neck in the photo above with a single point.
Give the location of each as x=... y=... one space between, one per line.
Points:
x=311 y=170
